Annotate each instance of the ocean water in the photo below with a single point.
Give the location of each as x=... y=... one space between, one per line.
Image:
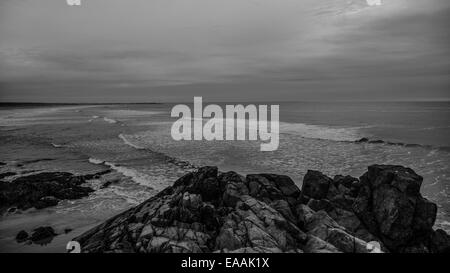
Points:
x=134 y=140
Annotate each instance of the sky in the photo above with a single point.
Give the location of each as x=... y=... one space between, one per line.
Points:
x=224 y=50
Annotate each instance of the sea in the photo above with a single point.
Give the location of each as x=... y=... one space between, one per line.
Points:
x=134 y=140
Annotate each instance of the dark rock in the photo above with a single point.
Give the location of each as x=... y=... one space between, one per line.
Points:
x=205 y=211
x=271 y=187
x=233 y=186
x=316 y=185
x=346 y=181
x=362 y=140
x=105 y=185
x=440 y=241
x=109 y=183
x=413 y=145
x=391 y=207
x=2 y=164
x=42 y=234
x=376 y=141
x=185 y=218
x=322 y=204
x=3 y=175
x=47 y=201
x=317 y=245
x=22 y=236
x=67 y=230
x=205 y=183
x=42 y=190
x=96 y=175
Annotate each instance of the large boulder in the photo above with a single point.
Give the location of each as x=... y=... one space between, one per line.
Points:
x=391 y=206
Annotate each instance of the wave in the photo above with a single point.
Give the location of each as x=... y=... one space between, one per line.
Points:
x=321 y=132
x=109 y=120
x=136 y=176
x=57 y=145
x=127 y=142
x=130 y=113
x=300 y=129
x=366 y=140
x=169 y=159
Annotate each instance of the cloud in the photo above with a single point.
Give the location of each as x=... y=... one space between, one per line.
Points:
x=146 y=45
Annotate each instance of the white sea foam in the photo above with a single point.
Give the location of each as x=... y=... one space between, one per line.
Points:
x=136 y=176
x=96 y=161
x=57 y=145
x=109 y=120
x=130 y=113
x=127 y=142
x=321 y=132
x=300 y=129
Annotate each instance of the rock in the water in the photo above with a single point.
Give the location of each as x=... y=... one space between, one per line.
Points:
x=362 y=140
x=42 y=190
x=22 y=236
x=67 y=230
x=42 y=234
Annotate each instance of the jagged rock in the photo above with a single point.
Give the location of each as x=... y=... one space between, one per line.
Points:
x=271 y=187
x=322 y=226
x=440 y=241
x=42 y=190
x=185 y=218
x=205 y=211
x=316 y=185
x=391 y=207
x=317 y=245
x=233 y=186
x=318 y=205
x=346 y=181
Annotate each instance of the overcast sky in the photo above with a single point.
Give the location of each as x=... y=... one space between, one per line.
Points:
x=249 y=50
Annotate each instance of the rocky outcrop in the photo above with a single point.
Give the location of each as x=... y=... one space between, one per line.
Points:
x=42 y=190
x=40 y=235
x=208 y=211
x=391 y=206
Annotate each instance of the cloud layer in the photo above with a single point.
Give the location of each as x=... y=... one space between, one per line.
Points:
x=115 y=50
